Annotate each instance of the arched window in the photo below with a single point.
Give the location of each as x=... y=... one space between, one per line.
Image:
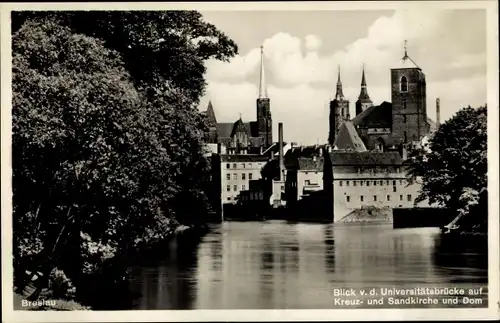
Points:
x=404 y=84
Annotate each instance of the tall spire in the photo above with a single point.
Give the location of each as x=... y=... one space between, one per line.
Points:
x=339 y=95
x=262 y=81
x=363 y=79
x=364 y=92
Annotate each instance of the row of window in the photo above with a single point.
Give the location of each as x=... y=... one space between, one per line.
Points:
x=243 y=165
x=367 y=183
x=388 y=198
x=235 y=188
x=235 y=176
x=377 y=170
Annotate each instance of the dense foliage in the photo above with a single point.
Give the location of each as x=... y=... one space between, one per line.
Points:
x=454 y=167
x=107 y=147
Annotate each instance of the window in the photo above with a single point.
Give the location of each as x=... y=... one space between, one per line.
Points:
x=374 y=183
x=229 y=188
x=405 y=138
x=353 y=183
x=401 y=197
x=228 y=176
x=381 y=183
x=308 y=182
x=249 y=175
x=243 y=187
x=360 y=183
x=400 y=182
x=361 y=198
x=243 y=165
x=340 y=183
x=375 y=198
x=234 y=165
x=348 y=198
x=235 y=176
x=243 y=176
x=404 y=103
x=404 y=118
x=229 y=198
x=227 y=166
x=388 y=197
x=404 y=84
x=235 y=188
x=394 y=188
x=367 y=183
x=393 y=182
x=409 y=197
x=346 y=183
x=387 y=183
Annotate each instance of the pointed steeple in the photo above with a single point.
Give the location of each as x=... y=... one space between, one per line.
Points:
x=363 y=79
x=262 y=80
x=210 y=113
x=339 y=95
x=364 y=92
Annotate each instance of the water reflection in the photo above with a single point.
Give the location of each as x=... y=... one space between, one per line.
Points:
x=256 y=265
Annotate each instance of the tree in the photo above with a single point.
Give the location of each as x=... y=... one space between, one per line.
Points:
x=158 y=47
x=107 y=157
x=453 y=168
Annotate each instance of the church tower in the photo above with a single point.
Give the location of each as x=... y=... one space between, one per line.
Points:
x=264 y=120
x=409 y=111
x=364 y=101
x=339 y=111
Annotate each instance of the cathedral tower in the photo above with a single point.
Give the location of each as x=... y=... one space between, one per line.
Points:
x=264 y=120
x=364 y=101
x=339 y=111
x=409 y=111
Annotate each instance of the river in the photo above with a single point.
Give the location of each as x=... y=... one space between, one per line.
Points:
x=280 y=265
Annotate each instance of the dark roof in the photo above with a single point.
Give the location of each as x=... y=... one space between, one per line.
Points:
x=243 y=158
x=306 y=151
x=365 y=158
x=210 y=114
x=239 y=126
x=224 y=129
x=375 y=116
x=348 y=138
x=311 y=164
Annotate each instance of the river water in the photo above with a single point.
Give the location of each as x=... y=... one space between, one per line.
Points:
x=280 y=265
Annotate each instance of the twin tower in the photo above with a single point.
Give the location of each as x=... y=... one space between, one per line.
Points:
x=339 y=106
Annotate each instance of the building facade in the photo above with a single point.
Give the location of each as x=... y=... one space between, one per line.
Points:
x=362 y=179
x=236 y=173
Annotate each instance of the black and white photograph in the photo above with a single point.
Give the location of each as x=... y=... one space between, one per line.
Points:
x=224 y=157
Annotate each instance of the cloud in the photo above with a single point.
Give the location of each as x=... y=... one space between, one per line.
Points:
x=301 y=81
x=313 y=42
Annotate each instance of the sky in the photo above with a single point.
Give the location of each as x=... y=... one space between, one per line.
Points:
x=304 y=49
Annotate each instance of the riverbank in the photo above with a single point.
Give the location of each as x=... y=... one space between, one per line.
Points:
x=369 y=214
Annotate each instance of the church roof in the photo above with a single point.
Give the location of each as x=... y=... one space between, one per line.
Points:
x=348 y=138
x=238 y=127
x=375 y=116
x=224 y=129
x=367 y=158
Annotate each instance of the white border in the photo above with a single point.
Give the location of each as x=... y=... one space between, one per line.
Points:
x=492 y=312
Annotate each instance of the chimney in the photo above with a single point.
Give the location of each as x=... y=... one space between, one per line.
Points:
x=438 y=112
x=280 y=138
